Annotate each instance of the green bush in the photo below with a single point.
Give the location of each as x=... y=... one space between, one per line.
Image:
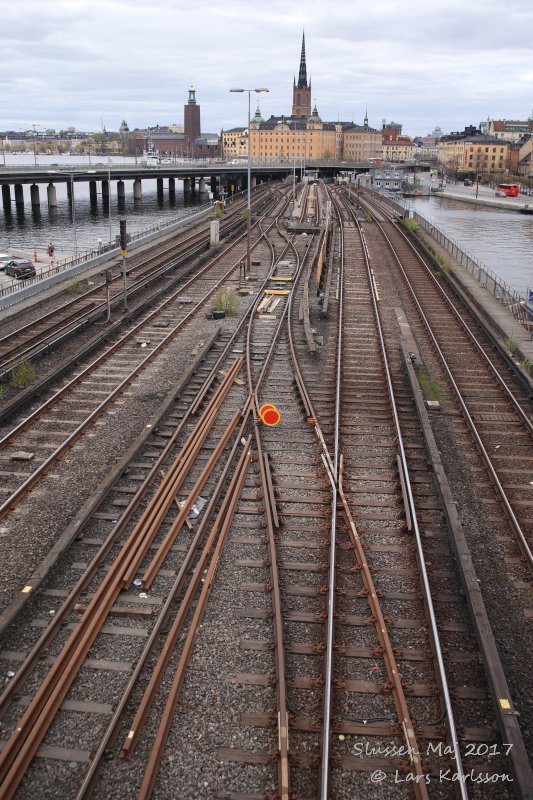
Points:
x=218 y=212
x=368 y=217
x=225 y=299
x=411 y=224
x=76 y=286
x=511 y=344
x=23 y=374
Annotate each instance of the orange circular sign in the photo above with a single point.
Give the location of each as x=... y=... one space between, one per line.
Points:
x=269 y=414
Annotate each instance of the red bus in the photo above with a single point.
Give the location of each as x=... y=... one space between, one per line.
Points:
x=509 y=189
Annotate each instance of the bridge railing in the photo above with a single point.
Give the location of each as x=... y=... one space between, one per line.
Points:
x=69 y=263
x=513 y=300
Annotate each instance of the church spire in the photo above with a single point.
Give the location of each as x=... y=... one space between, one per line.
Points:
x=301 y=91
x=302 y=77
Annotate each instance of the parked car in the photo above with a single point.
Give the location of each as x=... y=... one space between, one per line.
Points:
x=468 y=183
x=20 y=268
x=4 y=258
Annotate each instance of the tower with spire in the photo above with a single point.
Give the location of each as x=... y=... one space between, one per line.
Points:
x=301 y=91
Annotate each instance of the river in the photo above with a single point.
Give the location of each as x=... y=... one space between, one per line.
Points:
x=27 y=229
x=502 y=240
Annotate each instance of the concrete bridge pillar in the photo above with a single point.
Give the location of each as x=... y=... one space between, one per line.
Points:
x=201 y=186
x=159 y=187
x=121 y=191
x=193 y=184
x=214 y=185
x=253 y=181
x=69 y=192
x=19 y=194
x=137 y=189
x=187 y=185
x=52 y=195
x=34 y=194
x=172 y=185
x=105 y=191
x=92 y=191
x=6 y=195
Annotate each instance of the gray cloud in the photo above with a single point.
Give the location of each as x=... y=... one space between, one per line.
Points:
x=72 y=63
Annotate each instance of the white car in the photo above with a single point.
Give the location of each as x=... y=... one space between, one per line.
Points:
x=4 y=258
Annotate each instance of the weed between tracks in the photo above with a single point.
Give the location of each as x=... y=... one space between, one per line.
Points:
x=430 y=387
x=76 y=286
x=23 y=374
x=226 y=299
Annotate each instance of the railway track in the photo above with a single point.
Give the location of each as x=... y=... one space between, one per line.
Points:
x=496 y=412
x=26 y=341
x=302 y=630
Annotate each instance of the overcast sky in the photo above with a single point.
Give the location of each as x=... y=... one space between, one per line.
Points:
x=77 y=62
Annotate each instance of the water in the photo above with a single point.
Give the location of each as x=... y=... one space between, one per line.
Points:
x=27 y=229
x=502 y=240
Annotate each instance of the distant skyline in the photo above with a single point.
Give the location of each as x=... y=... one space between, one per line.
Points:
x=79 y=63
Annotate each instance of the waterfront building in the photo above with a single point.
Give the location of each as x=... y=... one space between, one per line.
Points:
x=235 y=143
x=507 y=129
x=184 y=141
x=361 y=142
x=473 y=152
x=302 y=136
x=395 y=146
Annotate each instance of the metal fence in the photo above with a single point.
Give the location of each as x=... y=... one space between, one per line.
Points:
x=87 y=256
x=510 y=298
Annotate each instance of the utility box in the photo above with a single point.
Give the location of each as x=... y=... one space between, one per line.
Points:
x=215 y=232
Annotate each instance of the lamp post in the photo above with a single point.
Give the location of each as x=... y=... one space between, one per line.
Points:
x=109 y=196
x=249 y=204
x=73 y=215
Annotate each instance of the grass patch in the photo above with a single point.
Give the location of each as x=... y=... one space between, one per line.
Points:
x=525 y=363
x=244 y=215
x=511 y=344
x=23 y=374
x=368 y=217
x=76 y=286
x=444 y=263
x=218 y=212
x=429 y=386
x=225 y=299
x=2 y=391
x=411 y=224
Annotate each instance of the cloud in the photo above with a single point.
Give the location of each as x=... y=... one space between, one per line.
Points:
x=422 y=65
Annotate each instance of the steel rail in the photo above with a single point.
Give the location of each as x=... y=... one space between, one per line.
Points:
x=167 y=718
x=21 y=747
x=112 y=730
x=231 y=495
x=82 y=584
x=151 y=520
x=428 y=601
x=8 y=504
x=271 y=516
x=515 y=525
x=528 y=422
x=335 y=477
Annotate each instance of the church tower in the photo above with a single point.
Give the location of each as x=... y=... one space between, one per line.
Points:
x=301 y=92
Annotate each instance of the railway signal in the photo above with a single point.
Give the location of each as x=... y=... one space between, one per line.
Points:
x=123 y=251
x=269 y=414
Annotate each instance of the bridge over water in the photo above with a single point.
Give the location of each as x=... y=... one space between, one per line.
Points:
x=196 y=176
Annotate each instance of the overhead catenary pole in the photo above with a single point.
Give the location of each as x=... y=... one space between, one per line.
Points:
x=249 y=195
